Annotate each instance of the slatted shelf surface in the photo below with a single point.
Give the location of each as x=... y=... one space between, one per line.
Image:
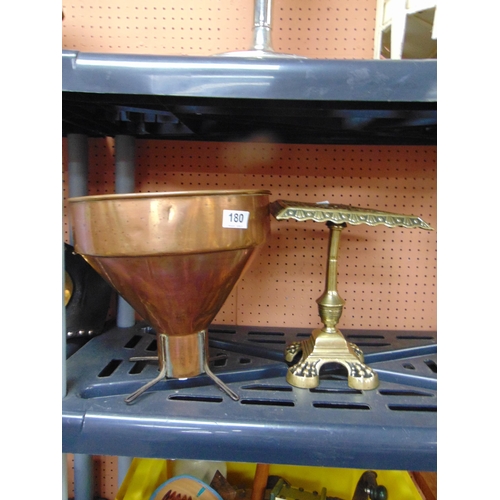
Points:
x=392 y=427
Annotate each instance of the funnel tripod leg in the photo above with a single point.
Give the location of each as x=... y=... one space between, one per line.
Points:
x=133 y=359
x=162 y=358
x=216 y=379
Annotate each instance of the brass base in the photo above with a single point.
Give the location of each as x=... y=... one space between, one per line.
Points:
x=321 y=348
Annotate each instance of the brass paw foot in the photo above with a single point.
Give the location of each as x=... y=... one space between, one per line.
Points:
x=292 y=350
x=361 y=376
x=304 y=374
x=358 y=352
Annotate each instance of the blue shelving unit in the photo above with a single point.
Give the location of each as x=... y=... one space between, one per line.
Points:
x=296 y=101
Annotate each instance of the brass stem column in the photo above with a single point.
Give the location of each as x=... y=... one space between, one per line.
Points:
x=330 y=304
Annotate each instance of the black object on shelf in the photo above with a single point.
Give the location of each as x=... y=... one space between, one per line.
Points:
x=368 y=489
x=88 y=300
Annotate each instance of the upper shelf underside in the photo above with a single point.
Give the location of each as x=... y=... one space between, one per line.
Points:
x=275 y=99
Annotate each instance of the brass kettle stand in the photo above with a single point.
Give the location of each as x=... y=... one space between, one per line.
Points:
x=328 y=345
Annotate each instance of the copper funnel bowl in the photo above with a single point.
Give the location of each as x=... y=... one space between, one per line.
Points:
x=175 y=257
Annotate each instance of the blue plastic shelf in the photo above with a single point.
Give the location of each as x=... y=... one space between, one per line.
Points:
x=392 y=427
x=304 y=101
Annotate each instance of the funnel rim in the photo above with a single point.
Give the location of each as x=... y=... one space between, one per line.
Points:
x=169 y=194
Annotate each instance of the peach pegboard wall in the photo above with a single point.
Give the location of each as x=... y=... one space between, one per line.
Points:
x=387 y=277
x=104 y=476
x=329 y=29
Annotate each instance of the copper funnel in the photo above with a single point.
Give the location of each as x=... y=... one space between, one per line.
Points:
x=175 y=257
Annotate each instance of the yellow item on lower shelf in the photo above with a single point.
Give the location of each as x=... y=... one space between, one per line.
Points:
x=142 y=478
x=146 y=474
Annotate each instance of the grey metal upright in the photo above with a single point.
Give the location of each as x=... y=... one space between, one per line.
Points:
x=125 y=164
x=78 y=168
x=124 y=183
x=262 y=25
x=78 y=186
